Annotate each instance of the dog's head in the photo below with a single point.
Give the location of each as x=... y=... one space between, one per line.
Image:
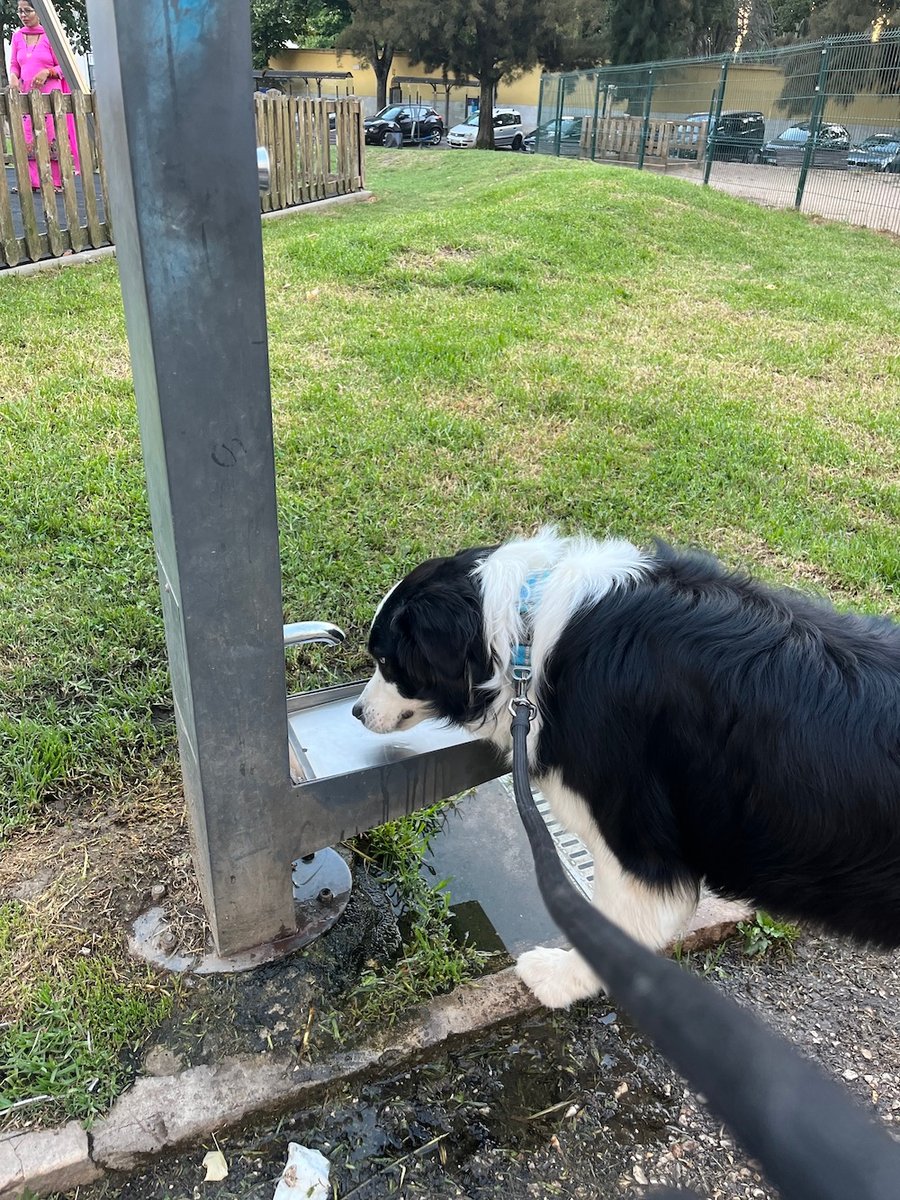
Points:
x=427 y=641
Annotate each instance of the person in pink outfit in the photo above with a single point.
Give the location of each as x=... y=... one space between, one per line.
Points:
x=34 y=67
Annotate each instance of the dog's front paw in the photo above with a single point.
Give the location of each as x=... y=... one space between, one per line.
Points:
x=557 y=977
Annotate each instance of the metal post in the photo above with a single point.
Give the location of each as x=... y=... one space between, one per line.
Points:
x=815 y=121
x=646 y=124
x=560 y=99
x=61 y=48
x=596 y=112
x=189 y=247
x=716 y=113
x=540 y=115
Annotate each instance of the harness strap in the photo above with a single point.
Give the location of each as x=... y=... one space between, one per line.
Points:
x=530 y=595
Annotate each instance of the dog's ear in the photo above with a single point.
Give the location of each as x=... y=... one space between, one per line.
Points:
x=440 y=634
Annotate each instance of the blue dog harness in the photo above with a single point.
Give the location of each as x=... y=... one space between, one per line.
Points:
x=530 y=595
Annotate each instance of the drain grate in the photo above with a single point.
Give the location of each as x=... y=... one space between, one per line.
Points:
x=575 y=856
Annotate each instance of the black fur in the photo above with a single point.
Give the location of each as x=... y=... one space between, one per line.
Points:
x=717 y=728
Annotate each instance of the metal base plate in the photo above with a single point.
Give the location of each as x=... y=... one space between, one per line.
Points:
x=321 y=884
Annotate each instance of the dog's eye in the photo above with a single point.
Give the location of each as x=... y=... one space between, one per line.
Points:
x=381 y=661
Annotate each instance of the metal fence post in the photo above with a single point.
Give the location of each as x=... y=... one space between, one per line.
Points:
x=596 y=114
x=710 y=148
x=189 y=250
x=815 y=121
x=560 y=98
x=645 y=127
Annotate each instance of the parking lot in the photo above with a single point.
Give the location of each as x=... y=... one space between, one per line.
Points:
x=858 y=197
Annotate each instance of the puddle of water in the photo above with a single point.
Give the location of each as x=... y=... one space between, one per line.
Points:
x=484 y=853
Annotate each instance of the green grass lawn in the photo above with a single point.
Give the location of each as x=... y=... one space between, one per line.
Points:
x=491 y=343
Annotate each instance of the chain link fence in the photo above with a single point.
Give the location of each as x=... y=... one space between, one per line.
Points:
x=815 y=126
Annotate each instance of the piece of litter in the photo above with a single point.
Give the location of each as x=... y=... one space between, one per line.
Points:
x=216 y=1166
x=638 y=1173
x=305 y=1175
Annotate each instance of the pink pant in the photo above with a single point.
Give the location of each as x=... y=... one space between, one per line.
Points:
x=54 y=165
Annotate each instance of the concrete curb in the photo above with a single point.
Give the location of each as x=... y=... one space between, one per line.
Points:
x=315 y=206
x=90 y=256
x=57 y=264
x=162 y=1113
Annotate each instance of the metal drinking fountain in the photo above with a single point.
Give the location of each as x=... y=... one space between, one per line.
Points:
x=270 y=781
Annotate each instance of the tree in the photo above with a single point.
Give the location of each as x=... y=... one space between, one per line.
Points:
x=791 y=19
x=835 y=17
x=372 y=34
x=274 y=23
x=72 y=14
x=854 y=66
x=639 y=31
x=490 y=39
x=327 y=22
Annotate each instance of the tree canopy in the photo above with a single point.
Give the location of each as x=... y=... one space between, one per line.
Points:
x=273 y=24
x=490 y=40
x=373 y=33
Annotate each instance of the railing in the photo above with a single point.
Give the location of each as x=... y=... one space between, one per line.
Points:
x=815 y=126
x=316 y=151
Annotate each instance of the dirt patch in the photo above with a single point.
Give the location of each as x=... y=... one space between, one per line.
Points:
x=411 y=261
x=82 y=873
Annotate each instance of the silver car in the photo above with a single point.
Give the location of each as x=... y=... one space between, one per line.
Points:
x=509 y=132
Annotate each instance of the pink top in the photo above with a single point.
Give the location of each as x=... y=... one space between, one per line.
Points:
x=25 y=61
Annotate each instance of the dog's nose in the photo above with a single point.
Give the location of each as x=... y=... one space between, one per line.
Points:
x=357 y=710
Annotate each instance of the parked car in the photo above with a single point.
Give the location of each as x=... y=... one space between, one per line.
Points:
x=509 y=132
x=739 y=136
x=788 y=149
x=879 y=152
x=413 y=122
x=565 y=132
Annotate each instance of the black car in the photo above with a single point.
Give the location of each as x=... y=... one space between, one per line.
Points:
x=830 y=149
x=561 y=136
x=879 y=152
x=414 y=123
x=739 y=136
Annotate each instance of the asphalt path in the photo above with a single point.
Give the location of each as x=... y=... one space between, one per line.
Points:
x=15 y=201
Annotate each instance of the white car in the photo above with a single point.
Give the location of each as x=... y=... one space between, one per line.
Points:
x=509 y=132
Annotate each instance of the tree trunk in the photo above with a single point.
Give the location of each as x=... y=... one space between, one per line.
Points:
x=381 y=65
x=485 y=139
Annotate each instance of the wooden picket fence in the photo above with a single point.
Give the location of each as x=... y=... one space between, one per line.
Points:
x=619 y=139
x=47 y=224
x=316 y=148
x=315 y=151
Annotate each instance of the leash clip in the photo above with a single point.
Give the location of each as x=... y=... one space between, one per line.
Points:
x=522 y=678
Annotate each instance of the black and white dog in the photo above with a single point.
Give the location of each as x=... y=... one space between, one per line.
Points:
x=692 y=725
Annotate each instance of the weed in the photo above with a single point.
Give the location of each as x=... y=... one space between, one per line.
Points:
x=705 y=963
x=764 y=935
x=432 y=959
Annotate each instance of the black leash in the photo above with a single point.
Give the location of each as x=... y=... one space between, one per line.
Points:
x=813 y=1141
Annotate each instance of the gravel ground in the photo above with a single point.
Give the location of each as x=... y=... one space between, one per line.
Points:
x=574 y=1105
